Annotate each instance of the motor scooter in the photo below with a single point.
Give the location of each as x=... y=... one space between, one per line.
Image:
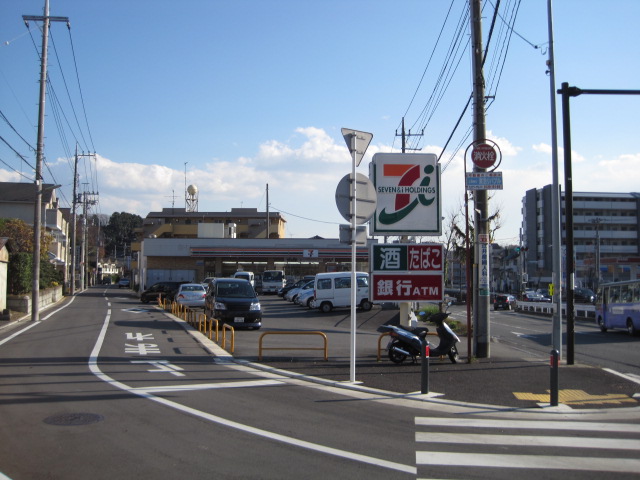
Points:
x=408 y=342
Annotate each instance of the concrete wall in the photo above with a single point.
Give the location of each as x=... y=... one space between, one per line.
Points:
x=22 y=303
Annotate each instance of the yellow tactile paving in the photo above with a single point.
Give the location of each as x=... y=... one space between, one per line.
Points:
x=576 y=397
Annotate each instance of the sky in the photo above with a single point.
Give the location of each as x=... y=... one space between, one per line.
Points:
x=232 y=95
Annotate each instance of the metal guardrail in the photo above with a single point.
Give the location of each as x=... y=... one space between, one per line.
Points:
x=324 y=348
x=544 y=308
x=226 y=327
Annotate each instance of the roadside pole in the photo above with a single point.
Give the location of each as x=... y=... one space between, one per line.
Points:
x=354 y=140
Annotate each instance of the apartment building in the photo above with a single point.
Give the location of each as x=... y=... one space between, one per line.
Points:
x=606 y=237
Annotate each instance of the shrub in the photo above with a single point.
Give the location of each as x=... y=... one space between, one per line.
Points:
x=20 y=273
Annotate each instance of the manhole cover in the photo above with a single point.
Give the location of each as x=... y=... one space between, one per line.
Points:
x=72 y=419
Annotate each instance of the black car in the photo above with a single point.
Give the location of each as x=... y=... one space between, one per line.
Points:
x=164 y=289
x=504 y=301
x=583 y=295
x=234 y=302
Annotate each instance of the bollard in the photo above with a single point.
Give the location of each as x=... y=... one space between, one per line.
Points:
x=424 y=371
x=555 y=377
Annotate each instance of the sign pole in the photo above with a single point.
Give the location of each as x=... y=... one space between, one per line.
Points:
x=351 y=138
x=354 y=286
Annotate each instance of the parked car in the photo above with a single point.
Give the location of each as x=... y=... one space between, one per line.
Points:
x=208 y=281
x=290 y=286
x=292 y=294
x=234 y=302
x=191 y=295
x=504 y=301
x=306 y=298
x=124 y=283
x=163 y=289
x=333 y=290
x=246 y=275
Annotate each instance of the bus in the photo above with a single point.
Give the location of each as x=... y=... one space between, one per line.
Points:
x=618 y=306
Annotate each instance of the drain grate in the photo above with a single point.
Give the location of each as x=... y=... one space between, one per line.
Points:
x=73 y=419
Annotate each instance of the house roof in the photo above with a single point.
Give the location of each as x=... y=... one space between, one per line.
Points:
x=25 y=192
x=5 y=242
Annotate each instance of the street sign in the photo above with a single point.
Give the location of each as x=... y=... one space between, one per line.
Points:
x=407 y=272
x=357 y=142
x=409 y=193
x=484 y=180
x=483 y=155
x=407 y=288
x=366 y=199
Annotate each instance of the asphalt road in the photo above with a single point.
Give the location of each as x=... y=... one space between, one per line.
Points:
x=106 y=387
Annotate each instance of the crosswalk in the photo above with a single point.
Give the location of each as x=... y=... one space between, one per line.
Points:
x=456 y=448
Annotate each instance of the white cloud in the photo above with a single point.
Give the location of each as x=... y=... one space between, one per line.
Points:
x=546 y=149
x=304 y=171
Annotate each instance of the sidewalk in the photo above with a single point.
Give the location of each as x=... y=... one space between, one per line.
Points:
x=505 y=379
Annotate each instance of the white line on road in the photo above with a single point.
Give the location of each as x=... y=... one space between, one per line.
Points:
x=546 y=462
x=208 y=386
x=30 y=326
x=93 y=366
x=632 y=377
x=528 y=440
x=523 y=424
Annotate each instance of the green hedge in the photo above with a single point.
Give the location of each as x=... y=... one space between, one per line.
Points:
x=20 y=274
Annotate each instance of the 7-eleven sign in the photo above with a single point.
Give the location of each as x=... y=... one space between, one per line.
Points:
x=408 y=190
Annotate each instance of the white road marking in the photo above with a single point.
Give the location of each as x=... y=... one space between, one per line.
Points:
x=95 y=369
x=598 y=441
x=30 y=326
x=522 y=424
x=209 y=386
x=162 y=366
x=632 y=377
x=528 y=440
x=546 y=462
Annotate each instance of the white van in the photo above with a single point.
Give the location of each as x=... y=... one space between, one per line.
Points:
x=333 y=290
x=246 y=276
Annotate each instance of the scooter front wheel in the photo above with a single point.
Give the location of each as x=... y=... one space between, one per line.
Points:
x=453 y=354
x=394 y=355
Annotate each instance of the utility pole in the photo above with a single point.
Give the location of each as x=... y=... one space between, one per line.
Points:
x=73 y=223
x=267 y=229
x=84 y=271
x=405 y=135
x=481 y=199
x=76 y=200
x=37 y=210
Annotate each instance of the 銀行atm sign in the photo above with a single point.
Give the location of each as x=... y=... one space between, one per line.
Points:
x=407 y=272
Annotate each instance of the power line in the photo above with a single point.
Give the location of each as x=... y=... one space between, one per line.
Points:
x=305 y=218
x=75 y=63
x=16 y=171
x=16 y=132
x=24 y=159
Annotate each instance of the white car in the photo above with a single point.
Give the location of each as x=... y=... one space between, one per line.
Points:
x=305 y=298
x=291 y=295
x=191 y=295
